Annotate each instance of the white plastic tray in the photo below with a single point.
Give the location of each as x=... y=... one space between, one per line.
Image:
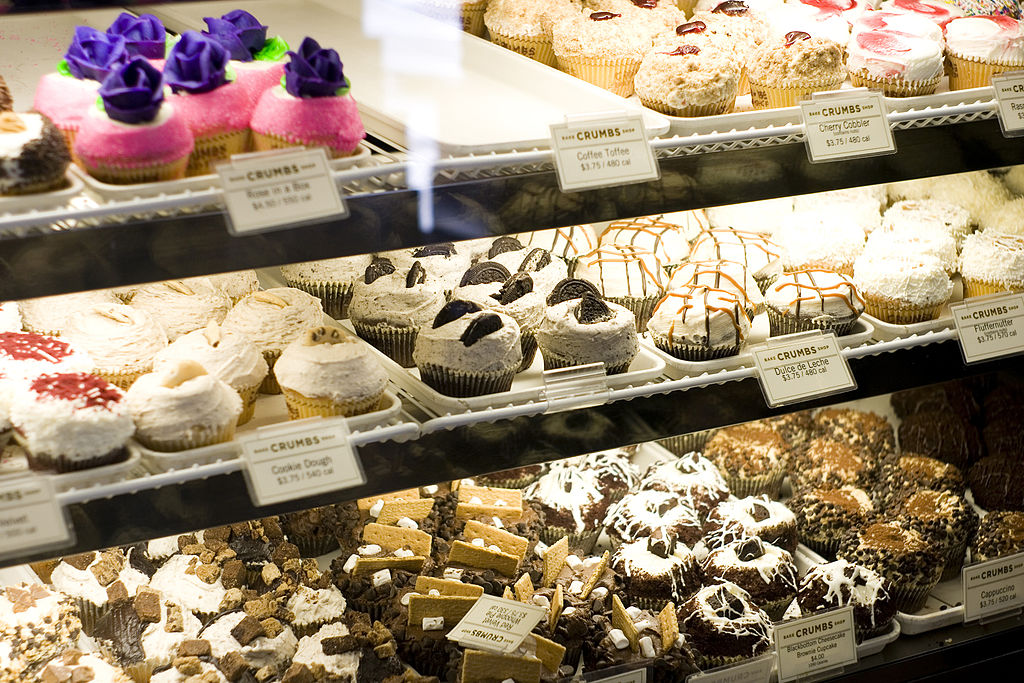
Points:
x=420 y=82
x=23 y=203
x=94 y=476
x=677 y=368
x=270 y=410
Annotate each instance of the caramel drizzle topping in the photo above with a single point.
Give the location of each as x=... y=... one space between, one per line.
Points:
x=11 y=123
x=569 y=235
x=741 y=238
x=821 y=292
x=731 y=307
x=715 y=270
x=630 y=255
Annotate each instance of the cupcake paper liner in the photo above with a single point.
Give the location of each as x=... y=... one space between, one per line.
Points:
x=971 y=72
x=781 y=323
x=895 y=87
x=314 y=545
x=196 y=438
x=649 y=603
x=690 y=352
x=122 y=377
x=553 y=360
x=120 y=175
x=869 y=633
x=89 y=614
x=397 y=343
x=826 y=547
x=705 y=662
x=528 y=344
x=211 y=149
x=743 y=87
x=911 y=597
x=302 y=630
x=28 y=327
x=536 y=48
x=334 y=296
x=687 y=443
x=374 y=608
x=974 y=288
x=459 y=383
x=764 y=96
x=642 y=308
x=62 y=463
x=248 y=396
x=269 y=384
x=612 y=74
x=301 y=407
x=769 y=484
x=37 y=187
x=713 y=109
x=899 y=313
x=955 y=557
x=763 y=282
x=262 y=142
x=583 y=540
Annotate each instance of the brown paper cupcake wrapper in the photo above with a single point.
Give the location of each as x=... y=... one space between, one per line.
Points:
x=713 y=109
x=269 y=384
x=303 y=630
x=334 y=296
x=911 y=598
x=971 y=72
x=518 y=483
x=869 y=633
x=46 y=185
x=89 y=614
x=824 y=547
x=62 y=463
x=705 y=662
x=538 y=49
x=397 y=343
x=687 y=443
x=314 y=545
x=900 y=314
x=300 y=407
x=461 y=384
x=262 y=142
x=763 y=282
x=36 y=330
x=248 y=396
x=690 y=352
x=954 y=561
x=123 y=377
x=769 y=484
x=583 y=540
x=781 y=323
x=642 y=308
x=974 y=288
x=200 y=436
x=117 y=175
x=743 y=88
x=528 y=344
x=646 y=602
x=212 y=149
x=895 y=87
x=614 y=75
x=553 y=360
x=764 y=96
x=374 y=608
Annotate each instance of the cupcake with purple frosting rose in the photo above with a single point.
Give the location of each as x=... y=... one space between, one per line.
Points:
x=144 y=35
x=258 y=61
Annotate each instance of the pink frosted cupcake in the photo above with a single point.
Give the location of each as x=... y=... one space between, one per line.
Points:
x=898 y=64
x=258 y=62
x=939 y=12
x=134 y=137
x=215 y=108
x=66 y=95
x=312 y=108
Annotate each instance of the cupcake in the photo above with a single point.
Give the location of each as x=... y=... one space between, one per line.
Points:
x=71 y=421
x=515 y=297
x=761 y=256
x=757 y=516
x=195 y=585
x=819 y=240
x=468 y=351
x=992 y=263
x=258 y=61
x=312 y=608
x=723 y=626
x=136 y=137
x=688 y=80
x=23 y=354
x=330 y=280
x=122 y=341
x=649 y=513
x=692 y=480
x=603 y=48
x=826 y=462
x=181 y=307
x=546 y=270
x=574 y=504
x=898 y=64
x=789 y=71
x=731 y=276
x=743 y=24
x=980 y=47
x=568 y=243
x=34 y=156
x=813 y=300
x=824 y=515
x=328 y=372
x=920 y=242
x=1000 y=533
x=584 y=328
x=272 y=319
x=89 y=578
x=389 y=307
x=939 y=12
x=38 y=623
x=258 y=646
x=907 y=474
x=629 y=276
x=997 y=483
x=229 y=356
x=902 y=289
x=838 y=584
x=667 y=241
x=180 y=407
x=215 y=108
x=313 y=108
x=49 y=315
x=236 y=284
x=766 y=572
x=145 y=633
x=752 y=458
x=941 y=434
x=945 y=519
x=524 y=27
x=657 y=570
x=697 y=323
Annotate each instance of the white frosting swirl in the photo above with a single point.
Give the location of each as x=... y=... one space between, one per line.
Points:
x=917 y=281
x=311 y=652
x=82 y=583
x=388 y=300
x=276 y=652
x=269 y=325
x=894 y=55
x=701 y=316
x=172 y=579
x=50 y=314
x=994 y=257
x=339 y=372
x=181 y=307
x=315 y=605
x=116 y=336
x=232 y=358
x=497 y=351
x=988 y=38
x=163 y=413
x=610 y=341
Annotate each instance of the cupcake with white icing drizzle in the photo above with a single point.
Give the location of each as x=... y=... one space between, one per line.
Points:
x=630 y=276
x=181 y=307
x=765 y=571
x=992 y=263
x=813 y=300
x=759 y=516
x=122 y=341
x=657 y=570
x=646 y=513
x=692 y=479
x=841 y=583
x=698 y=323
x=723 y=625
x=902 y=289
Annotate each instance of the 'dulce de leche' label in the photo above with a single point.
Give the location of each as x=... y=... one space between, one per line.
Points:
x=1009 y=87
x=993 y=587
x=990 y=327
x=298 y=461
x=601 y=152
x=814 y=644
x=496 y=624
x=847 y=127
x=800 y=368
x=30 y=516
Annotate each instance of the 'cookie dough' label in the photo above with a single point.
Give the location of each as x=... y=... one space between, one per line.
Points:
x=279 y=189
x=597 y=152
x=757 y=670
x=846 y=126
x=299 y=460
x=1009 y=87
x=30 y=517
x=496 y=624
x=802 y=366
x=990 y=327
x=815 y=644
x=993 y=587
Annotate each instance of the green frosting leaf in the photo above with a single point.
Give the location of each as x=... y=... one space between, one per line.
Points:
x=229 y=73
x=63 y=70
x=273 y=50
x=343 y=90
x=170 y=42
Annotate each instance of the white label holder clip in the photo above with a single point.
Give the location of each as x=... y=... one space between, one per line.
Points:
x=579 y=386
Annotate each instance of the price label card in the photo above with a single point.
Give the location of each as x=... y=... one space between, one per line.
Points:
x=301 y=459
x=603 y=151
x=815 y=644
x=990 y=327
x=1009 y=87
x=756 y=670
x=496 y=624
x=993 y=587
x=801 y=366
x=620 y=674
x=278 y=189
x=847 y=127
x=30 y=516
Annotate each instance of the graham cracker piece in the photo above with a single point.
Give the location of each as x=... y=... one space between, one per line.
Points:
x=506 y=504
x=471 y=510
x=482 y=558
x=524 y=588
x=554 y=559
x=424 y=584
x=621 y=621
x=596 y=576
x=391 y=538
x=478 y=666
x=507 y=594
x=557 y=605
x=549 y=652
x=506 y=540
x=669 y=626
x=369 y=565
x=394 y=510
x=451 y=607
x=364 y=504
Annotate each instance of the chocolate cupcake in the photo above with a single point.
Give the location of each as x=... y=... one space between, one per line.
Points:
x=692 y=478
x=796 y=427
x=827 y=463
x=757 y=516
x=723 y=625
x=942 y=435
x=945 y=519
x=1001 y=432
x=868 y=432
x=646 y=513
x=955 y=396
x=840 y=583
x=1000 y=533
x=766 y=572
x=634 y=638
x=574 y=504
x=997 y=483
x=657 y=570
x=313 y=531
x=752 y=456
x=909 y=472
x=824 y=516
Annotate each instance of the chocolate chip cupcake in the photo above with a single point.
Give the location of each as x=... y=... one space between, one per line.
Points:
x=766 y=572
x=758 y=516
x=942 y=435
x=868 y=432
x=724 y=626
x=752 y=456
x=823 y=516
x=945 y=519
x=900 y=554
x=1000 y=533
x=657 y=570
x=840 y=583
x=826 y=463
x=908 y=473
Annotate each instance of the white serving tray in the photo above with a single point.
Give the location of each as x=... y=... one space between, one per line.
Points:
x=424 y=85
x=270 y=410
x=42 y=201
x=678 y=369
x=129 y=468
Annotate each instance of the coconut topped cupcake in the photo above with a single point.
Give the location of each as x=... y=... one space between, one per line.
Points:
x=991 y=263
x=23 y=354
x=902 y=289
x=816 y=239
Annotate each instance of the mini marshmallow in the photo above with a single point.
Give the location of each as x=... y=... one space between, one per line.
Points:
x=576 y=587
x=573 y=562
x=500 y=503
x=367 y=550
x=568 y=611
x=634 y=612
x=376 y=508
x=599 y=592
x=433 y=591
x=541 y=600
x=452 y=574
x=404 y=600
x=407 y=523
x=647 y=646
x=509 y=680
x=619 y=639
x=478 y=542
x=381 y=577
x=404 y=552
x=430 y=490
x=493 y=548
x=591 y=562
x=645 y=624
x=541 y=549
x=433 y=623
x=350 y=563
x=497 y=522
x=680 y=640
x=475 y=500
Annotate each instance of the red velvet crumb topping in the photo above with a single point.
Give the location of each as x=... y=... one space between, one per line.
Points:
x=71 y=386
x=29 y=346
